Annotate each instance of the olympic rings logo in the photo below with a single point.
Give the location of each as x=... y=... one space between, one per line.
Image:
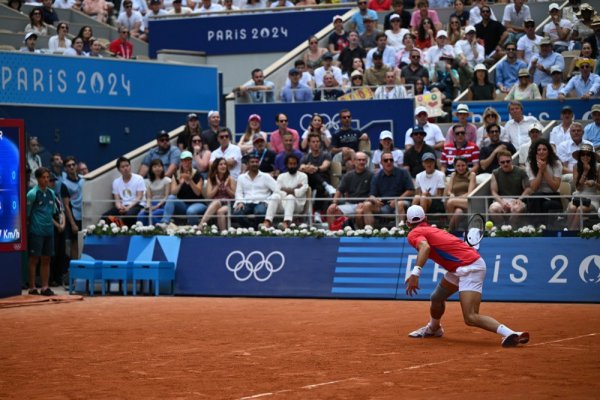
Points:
x=254 y=265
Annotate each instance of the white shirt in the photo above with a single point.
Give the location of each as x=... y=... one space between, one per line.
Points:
x=151 y=14
x=129 y=21
x=558 y=134
x=128 y=191
x=395 y=39
x=551 y=31
x=430 y=183
x=518 y=132
x=517 y=19
x=396 y=153
x=255 y=190
x=529 y=47
x=213 y=7
x=306 y=79
x=434 y=135
x=475 y=15
x=184 y=11
x=320 y=73
x=63 y=3
x=287 y=180
x=565 y=151
x=433 y=54
x=397 y=92
x=231 y=152
x=389 y=57
x=53 y=44
x=465 y=48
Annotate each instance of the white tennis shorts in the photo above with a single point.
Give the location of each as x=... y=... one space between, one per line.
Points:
x=469 y=277
x=348 y=209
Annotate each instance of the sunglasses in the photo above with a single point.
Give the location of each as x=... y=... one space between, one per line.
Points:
x=197 y=141
x=283 y=120
x=459 y=133
x=223 y=136
x=387 y=160
x=582 y=154
x=494 y=131
x=357 y=78
x=163 y=139
x=313 y=42
x=346 y=116
x=419 y=133
x=69 y=165
x=511 y=49
x=485 y=12
x=505 y=162
x=585 y=66
x=415 y=57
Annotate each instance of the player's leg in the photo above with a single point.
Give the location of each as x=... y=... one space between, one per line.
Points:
x=441 y=293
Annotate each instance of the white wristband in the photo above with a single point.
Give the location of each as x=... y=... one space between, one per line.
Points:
x=416 y=271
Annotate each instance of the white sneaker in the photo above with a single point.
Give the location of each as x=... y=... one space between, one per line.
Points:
x=329 y=189
x=317 y=218
x=515 y=339
x=426 y=331
x=161 y=225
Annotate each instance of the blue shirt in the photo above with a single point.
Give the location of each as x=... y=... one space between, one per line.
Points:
x=293 y=95
x=280 y=159
x=392 y=185
x=508 y=74
x=591 y=132
x=171 y=156
x=73 y=191
x=582 y=87
x=543 y=78
x=357 y=18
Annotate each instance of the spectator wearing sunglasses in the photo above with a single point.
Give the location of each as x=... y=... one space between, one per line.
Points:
x=461 y=147
x=510 y=187
x=585 y=85
x=488 y=157
x=165 y=151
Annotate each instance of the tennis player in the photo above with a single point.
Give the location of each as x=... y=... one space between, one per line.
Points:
x=465 y=274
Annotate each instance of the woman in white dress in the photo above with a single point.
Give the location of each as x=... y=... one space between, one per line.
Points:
x=60 y=42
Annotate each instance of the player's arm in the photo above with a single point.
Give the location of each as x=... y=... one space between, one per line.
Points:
x=412 y=283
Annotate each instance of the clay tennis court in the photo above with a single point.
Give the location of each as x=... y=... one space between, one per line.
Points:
x=245 y=348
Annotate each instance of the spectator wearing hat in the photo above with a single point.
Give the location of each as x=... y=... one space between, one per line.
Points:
x=306 y=77
x=445 y=77
x=558 y=29
x=129 y=194
x=552 y=89
x=413 y=156
x=414 y=70
x=441 y=48
x=592 y=130
x=192 y=127
x=398 y=7
x=386 y=144
x=516 y=129
x=585 y=85
x=337 y=40
x=388 y=53
x=488 y=156
x=395 y=35
x=529 y=43
x=594 y=37
x=230 y=152
x=586 y=177
x=565 y=150
x=29 y=43
x=507 y=70
x=368 y=39
x=375 y=75
x=460 y=147
x=210 y=135
x=36 y=23
x=257 y=89
x=422 y=12
x=481 y=88
x=391 y=89
x=352 y=51
x=165 y=151
x=542 y=63
x=560 y=132
x=121 y=47
x=582 y=24
x=429 y=183
x=491 y=32
x=296 y=91
x=535 y=133
x=328 y=67
x=462 y=114
x=266 y=156
x=469 y=53
x=132 y=20
x=253 y=128
x=524 y=89
x=515 y=15
x=154 y=10
x=433 y=134
x=357 y=20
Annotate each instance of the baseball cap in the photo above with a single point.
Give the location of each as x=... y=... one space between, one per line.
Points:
x=368 y=18
x=256 y=137
x=553 y=6
x=595 y=108
x=555 y=68
x=30 y=34
x=536 y=125
x=253 y=154
x=462 y=108
x=327 y=56
x=190 y=115
x=212 y=112
x=545 y=40
x=386 y=135
x=428 y=156
x=480 y=67
x=528 y=21
x=336 y=17
x=418 y=129
x=415 y=214
x=420 y=109
x=185 y=154
x=161 y=134
x=441 y=33
x=566 y=109
x=293 y=71
x=469 y=28
x=378 y=55
x=523 y=72
x=254 y=116
x=154 y=2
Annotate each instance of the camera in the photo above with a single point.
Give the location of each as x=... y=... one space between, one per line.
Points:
x=577 y=201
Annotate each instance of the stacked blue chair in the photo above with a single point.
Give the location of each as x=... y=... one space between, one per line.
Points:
x=116 y=270
x=155 y=272
x=88 y=270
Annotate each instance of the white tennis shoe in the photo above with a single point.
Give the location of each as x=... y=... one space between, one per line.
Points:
x=426 y=331
x=514 y=339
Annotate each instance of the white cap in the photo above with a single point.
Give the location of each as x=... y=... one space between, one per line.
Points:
x=553 y=6
x=555 y=68
x=480 y=67
x=421 y=109
x=536 y=125
x=386 y=135
x=212 y=112
x=415 y=214
x=394 y=16
x=336 y=17
x=462 y=108
x=469 y=28
x=441 y=33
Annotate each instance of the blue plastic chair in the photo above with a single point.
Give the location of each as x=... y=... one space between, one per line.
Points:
x=88 y=270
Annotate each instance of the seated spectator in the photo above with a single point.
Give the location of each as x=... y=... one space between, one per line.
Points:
x=60 y=42
x=488 y=156
x=266 y=156
x=404 y=56
x=36 y=23
x=553 y=88
x=313 y=55
x=15 y=4
x=481 y=88
x=414 y=154
x=291 y=194
x=586 y=177
x=517 y=127
x=460 y=185
x=543 y=62
x=582 y=26
x=350 y=53
x=132 y=20
x=99 y=9
x=583 y=86
x=460 y=13
x=76 y=49
x=245 y=143
x=357 y=22
x=346 y=141
x=455 y=31
x=429 y=183
x=509 y=187
x=528 y=44
x=210 y=136
x=192 y=126
x=368 y=39
x=356 y=83
x=565 y=150
x=412 y=72
x=122 y=47
x=168 y=154
x=592 y=130
x=276 y=137
x=507 y=70
x=391 y=190
x=468 y=53
x=560 y=132
x=462 y=114
x=434 y=136
x=386 y=144
x=375 y=75
x=446 y=77
x=86 y=34
x=395 y=35
x=515 y=15
x=380 y=5
x=29 y=42
x=257 y=90
x=544 y=173
x=388 y=53
x=524 y=89
x=139 y=5
x=316 y=126
x=425 y=34
x=207 y=6
x=128 y=192
x=398 y=7
x=535 y=133
x=327 y=61
x=97 y=47
x=461 y=147
x=288 y=148
x=558 y=29
x=423 y=12
x=158 y=188
x=354 y=186
x=306 y=77
x=220 y=187
x=391 y=89
x=296 y=91
x=201 y=160
x=155 y=10
x=491 y=32
x=329 y=90
x=478 y=12
x=253 y=194
x=178 y=9
x=585 y=52
x=336 y=42
x=490 y=116
x=230 y=152
x=186 y=193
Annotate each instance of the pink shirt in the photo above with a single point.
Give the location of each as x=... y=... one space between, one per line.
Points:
x=415 y=20
x=445 y=249
x=471 y=134
x=277 y=143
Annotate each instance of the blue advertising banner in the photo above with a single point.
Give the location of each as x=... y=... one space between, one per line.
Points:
x=89 y=82
x=543 y=110
x=370 y=116
x=268 y=32
x=567 y=270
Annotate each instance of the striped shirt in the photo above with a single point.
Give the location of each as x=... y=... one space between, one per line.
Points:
x=470 y=151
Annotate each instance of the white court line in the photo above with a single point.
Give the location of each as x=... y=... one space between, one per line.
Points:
x=412 y=367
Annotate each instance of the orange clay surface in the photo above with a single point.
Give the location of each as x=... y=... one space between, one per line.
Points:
x=246 y=348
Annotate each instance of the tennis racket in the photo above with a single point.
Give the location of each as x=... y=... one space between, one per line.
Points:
x=475 y=230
